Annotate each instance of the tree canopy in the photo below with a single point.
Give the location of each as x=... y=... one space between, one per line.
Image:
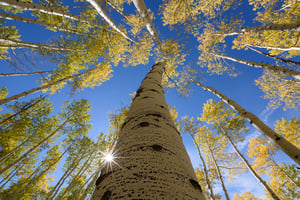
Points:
x=66 y=64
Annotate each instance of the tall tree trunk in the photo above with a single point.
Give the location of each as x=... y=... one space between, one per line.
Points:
x=108 y=19
x=291 y=150
x=50 y=11
x=275 y=27
x=35 y=147
x=10 y=176
x=23 y=94
x=277 y=48
x=142 y=9
x=30 y=180
x=10 y=43
x=284 y=172
x=61 y=181
x=150 y=159
x=24 y=108
x=24 y=73
x=117 y=9
x=82 y=170
x=92 y=182
x=34 y=21
x=212 y=196
x=275 y=57
x=220 y=176
x=265 y=185
x=290 y=72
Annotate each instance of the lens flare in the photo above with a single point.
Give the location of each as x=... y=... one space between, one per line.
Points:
x=108 y=157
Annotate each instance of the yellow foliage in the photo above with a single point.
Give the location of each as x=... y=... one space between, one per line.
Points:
x=279 y=90
x=180 y=11
x=270 y=39
x=245 y=196
x=173 y=57
x=289 y=129
x=94 y=77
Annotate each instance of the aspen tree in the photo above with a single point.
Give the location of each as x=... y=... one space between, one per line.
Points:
x=231 y=126
x=151 y=161
x=291 y=150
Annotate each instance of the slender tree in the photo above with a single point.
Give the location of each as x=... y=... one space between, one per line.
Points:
x=150 y=158
x=291 y=150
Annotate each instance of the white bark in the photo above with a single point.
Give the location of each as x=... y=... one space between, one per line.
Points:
x=260 y=180
x=21 y=44
x=291 y=150
x=40 y=8
x=108 y=19
x=220 y=176
x=142 y=9
x=23 y=94
x=212 y=196
x=276 y=48
x=117 y=9
x=151 y=160
x=276 y=27
x=34 y=21
x=274 y=57
x=290 y=72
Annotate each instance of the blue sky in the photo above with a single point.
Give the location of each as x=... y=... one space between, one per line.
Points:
x=115 y=92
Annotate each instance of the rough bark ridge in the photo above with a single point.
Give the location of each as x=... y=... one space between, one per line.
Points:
x=152 y=162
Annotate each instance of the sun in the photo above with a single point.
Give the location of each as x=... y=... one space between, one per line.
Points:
x=108 y=157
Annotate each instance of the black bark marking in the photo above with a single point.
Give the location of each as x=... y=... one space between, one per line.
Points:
x=162 y=106
x=102 y=177
x=296 y=156
x=138 y=92
x=156 y=147
x=106 y=195
x=144 y=124
x=154 y=114
x=153 y=90
x=277 y=138
x=195 y=184
x=147 y=97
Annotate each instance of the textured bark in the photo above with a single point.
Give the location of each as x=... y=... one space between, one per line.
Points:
x=288 y=148
x=289 y=72
x=261 y=181
x=151 y=161
x=275 y=57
